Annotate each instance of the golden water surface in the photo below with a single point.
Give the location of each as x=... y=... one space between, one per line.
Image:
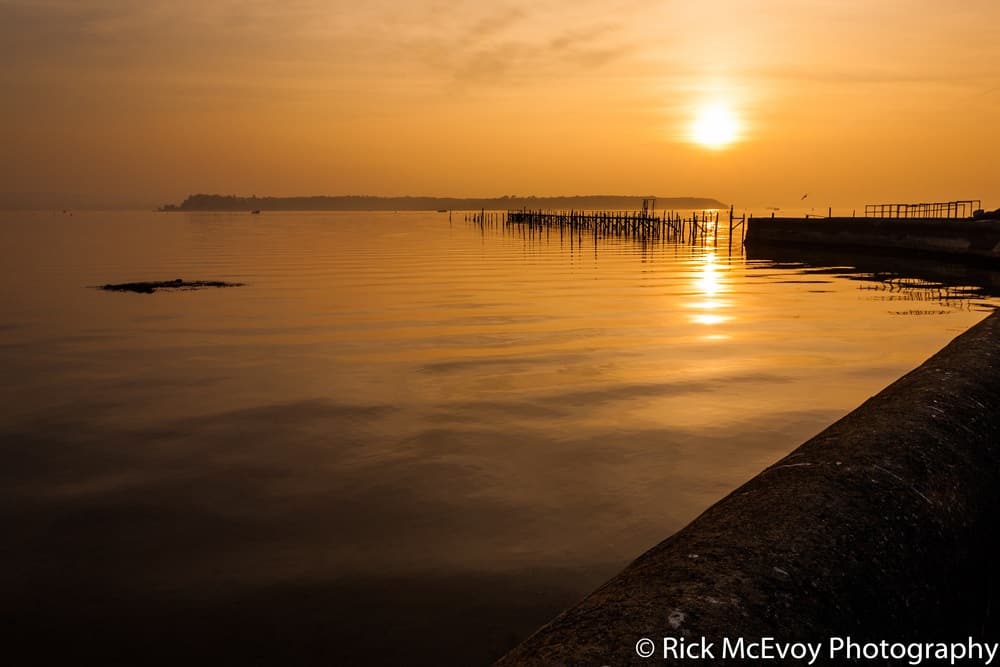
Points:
x=400 y=427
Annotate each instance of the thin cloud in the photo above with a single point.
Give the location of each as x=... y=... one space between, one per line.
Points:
x=859 y=75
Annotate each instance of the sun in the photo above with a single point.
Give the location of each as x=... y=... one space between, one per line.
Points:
x=714 y=126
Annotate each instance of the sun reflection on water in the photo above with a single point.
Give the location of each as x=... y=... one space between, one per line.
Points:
x=709 y=285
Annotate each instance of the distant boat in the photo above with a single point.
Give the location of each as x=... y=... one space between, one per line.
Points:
x=256 y=211
x=442 y=210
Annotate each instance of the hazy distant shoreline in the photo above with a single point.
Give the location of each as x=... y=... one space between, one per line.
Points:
x=202 y=202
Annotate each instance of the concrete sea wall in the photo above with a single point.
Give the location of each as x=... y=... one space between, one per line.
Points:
x=978 y=239
x=882 y=527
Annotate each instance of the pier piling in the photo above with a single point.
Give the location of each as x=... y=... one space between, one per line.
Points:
x=645 y=225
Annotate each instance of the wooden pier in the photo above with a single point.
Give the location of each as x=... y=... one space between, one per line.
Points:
x=645 y=224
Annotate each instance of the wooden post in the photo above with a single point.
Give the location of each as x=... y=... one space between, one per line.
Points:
x=730 y=229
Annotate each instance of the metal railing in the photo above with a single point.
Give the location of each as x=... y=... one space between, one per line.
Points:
x=961 y=208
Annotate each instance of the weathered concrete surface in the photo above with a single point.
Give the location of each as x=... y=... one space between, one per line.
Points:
x=978 y=239
x=883 y=526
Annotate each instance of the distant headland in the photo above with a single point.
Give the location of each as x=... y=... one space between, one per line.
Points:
x=203 y=202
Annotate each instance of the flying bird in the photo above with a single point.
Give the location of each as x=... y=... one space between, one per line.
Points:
x=803 y=196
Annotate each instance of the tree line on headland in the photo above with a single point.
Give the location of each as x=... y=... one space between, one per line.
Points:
x=203 y=202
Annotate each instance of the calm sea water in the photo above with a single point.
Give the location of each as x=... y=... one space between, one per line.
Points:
x=404 y=440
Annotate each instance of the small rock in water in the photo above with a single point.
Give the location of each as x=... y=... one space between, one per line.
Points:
x=148 y=287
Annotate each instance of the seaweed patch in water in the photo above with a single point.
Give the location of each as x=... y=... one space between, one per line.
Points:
x=149 y=287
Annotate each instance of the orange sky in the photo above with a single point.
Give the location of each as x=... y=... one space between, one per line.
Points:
x=852 y=101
